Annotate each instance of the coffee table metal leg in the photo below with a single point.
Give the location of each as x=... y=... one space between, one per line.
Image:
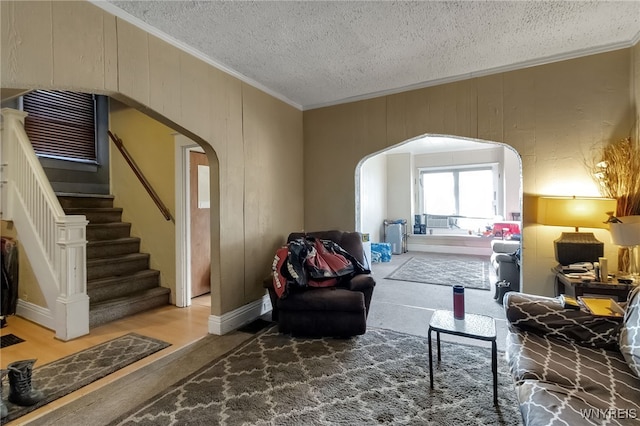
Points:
x=438 y=339
x=430 y=362
x=494 y=368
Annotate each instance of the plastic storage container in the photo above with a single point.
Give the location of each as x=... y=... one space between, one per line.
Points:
x=395 y=233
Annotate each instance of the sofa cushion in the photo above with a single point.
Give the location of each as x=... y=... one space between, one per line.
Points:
x=630 y=332
x=324 y=299
x=548 y=404
x=558 y=378
x=546 y=316
x=504 y=246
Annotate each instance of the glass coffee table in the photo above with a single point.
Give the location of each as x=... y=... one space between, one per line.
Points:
x=473 y=326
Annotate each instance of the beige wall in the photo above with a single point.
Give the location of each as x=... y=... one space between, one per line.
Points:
x=28 y=289
x=273 y=181
x=373 y=196
x=77 y=46
x=552 y=115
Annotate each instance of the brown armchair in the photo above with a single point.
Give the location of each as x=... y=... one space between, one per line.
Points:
x=330 y=311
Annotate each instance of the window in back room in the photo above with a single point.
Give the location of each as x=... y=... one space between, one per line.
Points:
x=459 y=198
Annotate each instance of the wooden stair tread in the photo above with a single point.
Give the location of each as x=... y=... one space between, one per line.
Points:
x=117 y=278
x=122 y=240
x=119 y=258
x=83 y=195
x=108 y=224
x=74 y=210
x=131 y=298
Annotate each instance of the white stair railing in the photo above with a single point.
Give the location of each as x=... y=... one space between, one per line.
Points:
x=54 y=242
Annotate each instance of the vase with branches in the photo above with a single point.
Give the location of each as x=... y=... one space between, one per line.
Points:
x=616 y=169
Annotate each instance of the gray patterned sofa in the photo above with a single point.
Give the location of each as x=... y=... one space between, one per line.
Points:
x=571 y=368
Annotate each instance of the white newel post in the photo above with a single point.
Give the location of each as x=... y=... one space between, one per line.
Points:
x=72 y=304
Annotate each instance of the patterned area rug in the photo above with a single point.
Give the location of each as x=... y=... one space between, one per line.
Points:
x=446 y=269
x=380 y=377
x=70 y=373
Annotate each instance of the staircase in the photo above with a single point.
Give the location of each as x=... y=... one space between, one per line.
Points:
x=119 y=281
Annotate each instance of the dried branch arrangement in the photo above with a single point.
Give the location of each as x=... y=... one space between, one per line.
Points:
x=616 y=169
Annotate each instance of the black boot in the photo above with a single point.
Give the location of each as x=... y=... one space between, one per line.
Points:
x=3 y=408
x=21 y=392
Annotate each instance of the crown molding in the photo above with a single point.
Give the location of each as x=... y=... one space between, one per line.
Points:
x=119 y=13
x=110 y=8
x=483 y=73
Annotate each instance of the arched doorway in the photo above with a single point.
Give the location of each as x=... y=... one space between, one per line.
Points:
x=388 y=182
x=389 y=186
x=149 y=139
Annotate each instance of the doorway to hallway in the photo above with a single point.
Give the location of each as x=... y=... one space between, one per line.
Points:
x=199 y=194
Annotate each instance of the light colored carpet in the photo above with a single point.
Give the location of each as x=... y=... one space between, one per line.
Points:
x=446 y=269
x=380 y=377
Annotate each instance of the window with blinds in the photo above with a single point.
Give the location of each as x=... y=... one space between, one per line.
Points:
x=61 y=124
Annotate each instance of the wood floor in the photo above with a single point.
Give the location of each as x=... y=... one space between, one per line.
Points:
x=178 y=326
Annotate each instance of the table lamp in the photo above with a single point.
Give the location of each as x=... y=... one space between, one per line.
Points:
x=573 y=247
x=626 y=233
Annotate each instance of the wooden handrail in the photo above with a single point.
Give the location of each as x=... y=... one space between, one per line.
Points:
x=136 y=170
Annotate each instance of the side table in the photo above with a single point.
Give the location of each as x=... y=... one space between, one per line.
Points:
x=574 y=287
x=473 y=326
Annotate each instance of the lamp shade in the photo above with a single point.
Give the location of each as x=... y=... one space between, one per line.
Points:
x=627 y=233
x=575 y=212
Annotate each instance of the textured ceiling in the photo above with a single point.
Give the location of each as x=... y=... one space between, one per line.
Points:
x=316 y=53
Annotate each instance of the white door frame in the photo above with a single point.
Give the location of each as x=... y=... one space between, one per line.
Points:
x=183 y=146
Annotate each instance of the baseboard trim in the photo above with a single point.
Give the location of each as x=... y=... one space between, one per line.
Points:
x=35 y=313
x=225 y=323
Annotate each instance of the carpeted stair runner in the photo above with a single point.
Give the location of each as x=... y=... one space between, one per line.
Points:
x=119 y=280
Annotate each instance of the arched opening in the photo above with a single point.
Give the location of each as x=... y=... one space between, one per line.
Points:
x=177 y=145
x=150 y=139
x=388 y=183
x=477 y=215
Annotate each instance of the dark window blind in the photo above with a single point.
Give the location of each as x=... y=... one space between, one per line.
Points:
x=61 y=124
